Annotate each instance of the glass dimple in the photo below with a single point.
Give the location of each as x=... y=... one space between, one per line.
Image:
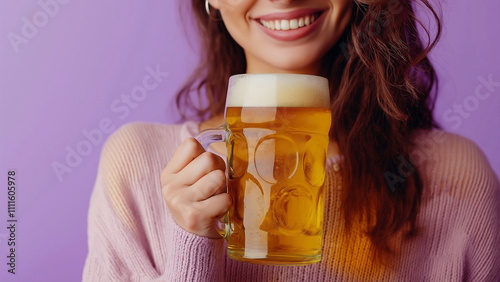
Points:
x=238 y=155
x=276 y=158
x=314 y=162
x=292 y=209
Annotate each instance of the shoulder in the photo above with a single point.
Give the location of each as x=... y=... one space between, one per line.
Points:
x=139 y=138
x=140 y=144
x=460 y=206
x=144 y=130
x=141 y=135
x=451 y=163
x=444 y=146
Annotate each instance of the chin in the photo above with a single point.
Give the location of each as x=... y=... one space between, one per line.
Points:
x=296 y=65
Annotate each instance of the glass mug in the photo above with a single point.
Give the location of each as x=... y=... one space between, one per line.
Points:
x=276 y=134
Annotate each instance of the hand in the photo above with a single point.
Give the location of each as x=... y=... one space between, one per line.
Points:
x=194 y=188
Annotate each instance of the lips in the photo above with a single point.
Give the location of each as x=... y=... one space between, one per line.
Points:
x=290 y=26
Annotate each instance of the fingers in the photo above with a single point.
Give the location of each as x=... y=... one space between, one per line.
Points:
x=193 y=186
x=215 y=206
x=185 y=153
x=191 y=162
x=209 y=185
x=201 y=166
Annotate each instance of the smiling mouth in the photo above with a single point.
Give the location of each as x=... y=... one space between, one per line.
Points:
x=291 y=24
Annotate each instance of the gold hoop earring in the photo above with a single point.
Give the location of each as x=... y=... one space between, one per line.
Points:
x=207 y=8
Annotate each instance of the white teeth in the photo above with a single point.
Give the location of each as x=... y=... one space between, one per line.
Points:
x=307 y=21
x=301 y=22
x=285 y=25
x=289 y=24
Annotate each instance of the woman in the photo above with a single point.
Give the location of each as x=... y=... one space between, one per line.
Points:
x=405 y=202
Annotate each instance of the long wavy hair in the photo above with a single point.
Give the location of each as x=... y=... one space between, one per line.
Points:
x=381 y=84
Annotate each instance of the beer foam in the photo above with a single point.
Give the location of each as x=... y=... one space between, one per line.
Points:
x=278 y=90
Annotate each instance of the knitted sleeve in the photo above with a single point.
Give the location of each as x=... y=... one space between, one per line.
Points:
x=131 y=234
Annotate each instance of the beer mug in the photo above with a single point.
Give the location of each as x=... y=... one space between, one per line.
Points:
x=276 y=134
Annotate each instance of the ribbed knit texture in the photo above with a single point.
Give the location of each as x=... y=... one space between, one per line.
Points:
x=133 y=237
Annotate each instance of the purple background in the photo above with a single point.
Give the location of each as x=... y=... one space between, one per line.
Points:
x=66 y=78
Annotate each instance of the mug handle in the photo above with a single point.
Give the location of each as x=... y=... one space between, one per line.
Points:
x=212 y=135
x=207 y=137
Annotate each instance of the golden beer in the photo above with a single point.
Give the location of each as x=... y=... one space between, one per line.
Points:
x=277 y=140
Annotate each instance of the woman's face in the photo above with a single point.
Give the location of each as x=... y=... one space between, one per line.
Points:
x=284 y=35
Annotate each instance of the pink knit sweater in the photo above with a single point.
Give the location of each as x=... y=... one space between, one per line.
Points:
x=132 y=236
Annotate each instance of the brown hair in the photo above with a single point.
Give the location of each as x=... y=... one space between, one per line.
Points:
x=381 y=82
